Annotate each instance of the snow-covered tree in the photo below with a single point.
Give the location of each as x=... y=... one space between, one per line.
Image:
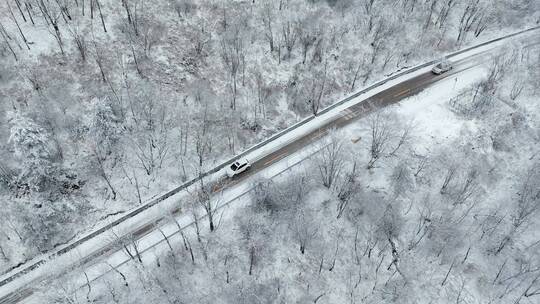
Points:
x=105 y=130
x=33 y=146
x=106 y=125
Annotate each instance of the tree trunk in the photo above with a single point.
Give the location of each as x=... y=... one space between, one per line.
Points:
x=101 y=16
x=18 y=26
x=251 y=259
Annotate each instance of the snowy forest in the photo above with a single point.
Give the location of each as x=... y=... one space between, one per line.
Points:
x=105 y=104
x=405 y=214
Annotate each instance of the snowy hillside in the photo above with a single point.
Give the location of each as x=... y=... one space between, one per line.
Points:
x=106 y=104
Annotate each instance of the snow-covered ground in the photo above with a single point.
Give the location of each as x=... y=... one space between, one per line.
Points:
x=436 y=125
x=70 y=87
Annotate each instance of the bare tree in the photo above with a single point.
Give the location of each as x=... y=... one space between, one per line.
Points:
x=263 y=92
x=256 y=233
x=115 y=269
x=314 y=87
x=6 y=38
x=423 y=162
x=431 y=10
x=481 y=98
x=448 y=178
x=401 y=179
x=132 y=15
x=361 y=65
x=533 y=289
x=268 y=16
x=448 y=272
x=101 y=15
x=528 y=204
x=17 y=24
x=389 y=228
x=80 y=42
x=18 y=4
x=203 y=196
x=517 y=88
x=265 y=197
x=184 y=8
x=370 y=7
x=404 y=137
x=307 y=35
x=468 y=188
x=100 y=61
x=388 y=57
x=29 y=11
x=201 y=39
x=472 y=18
x=294 y=192
x=347 y=190
x=100 y=159
x=381 y=33
x=330 y=159
x=233 y=56
x=3 y=256
x=52 y=17
x=130 y=245
x=304 y=228
x=380 y=137
x=203 y=137
x=150 y=132
x=447 y=7
x=134 y=181
x=289 y=36
x=151 y=32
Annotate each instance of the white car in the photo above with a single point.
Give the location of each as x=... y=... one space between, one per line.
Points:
x=442 y=67
x=238 y=167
